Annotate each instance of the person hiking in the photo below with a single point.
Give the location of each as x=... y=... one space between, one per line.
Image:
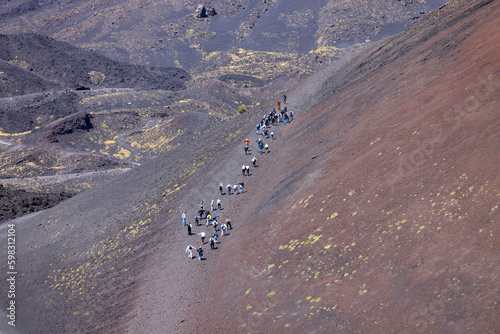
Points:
x=216 y=236
x=212 y=205
x=201 y=205
x=212 y=243
x=219 y=204
x=228 y=189
x=241 y=188
x=246 y=149
x=197 y=220
x=200 y=253
x=189 y=250
x=215 y=225
x=203 y=235
x=254 y=161
x=266 y=147
x=247 y=142
x=209 y=219
x=223 y=229
x=272 y=135
x=248 y=170
x=189 y=227
x=257 y=127
x=228 y=223
x=243 y=169
x=235 y=189
x=184 y=218
x=284 y=98
x=221 y=189
x=290 y=114
x=261 y=146
x=279 y=105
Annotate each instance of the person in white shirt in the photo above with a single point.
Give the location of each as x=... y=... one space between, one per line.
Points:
x=189 y=250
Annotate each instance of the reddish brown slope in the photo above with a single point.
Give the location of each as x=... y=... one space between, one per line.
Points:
x=377 y=210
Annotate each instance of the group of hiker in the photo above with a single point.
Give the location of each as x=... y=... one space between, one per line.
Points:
x=273 y=118
x=210 y=220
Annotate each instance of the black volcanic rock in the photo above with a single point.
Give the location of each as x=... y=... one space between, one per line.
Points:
x=202 y=11
x=15 y=80
x=65 y=65
x=15 y=203
x=79 y=122
x=24 y=113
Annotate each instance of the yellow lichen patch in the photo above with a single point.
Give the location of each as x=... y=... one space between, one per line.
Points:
x=325 y=51
x=157 y=139
x=14 y=134
x=19 y=62
x=312 y=239
x=271 y=294
x=291 y=245
x=122 y=154
x=74 y=281
x=211 y=55
x=261 y=64
x=96 y=77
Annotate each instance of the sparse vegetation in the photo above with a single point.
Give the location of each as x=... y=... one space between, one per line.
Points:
x=242 y=109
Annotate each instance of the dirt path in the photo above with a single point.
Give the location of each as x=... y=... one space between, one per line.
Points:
x=175 y=287
x=50 y=179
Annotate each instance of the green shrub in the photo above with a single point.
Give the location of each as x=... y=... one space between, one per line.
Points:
x=241 y=109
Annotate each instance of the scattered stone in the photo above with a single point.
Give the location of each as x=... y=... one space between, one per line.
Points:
x=202 y=11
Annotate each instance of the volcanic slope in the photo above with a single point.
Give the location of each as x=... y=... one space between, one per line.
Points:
x=175 y=32
x=376 y=210
x=56 y=101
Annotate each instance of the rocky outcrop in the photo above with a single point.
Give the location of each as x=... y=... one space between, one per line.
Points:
x=79 y=122
x=18 y=202
x=202 y=11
